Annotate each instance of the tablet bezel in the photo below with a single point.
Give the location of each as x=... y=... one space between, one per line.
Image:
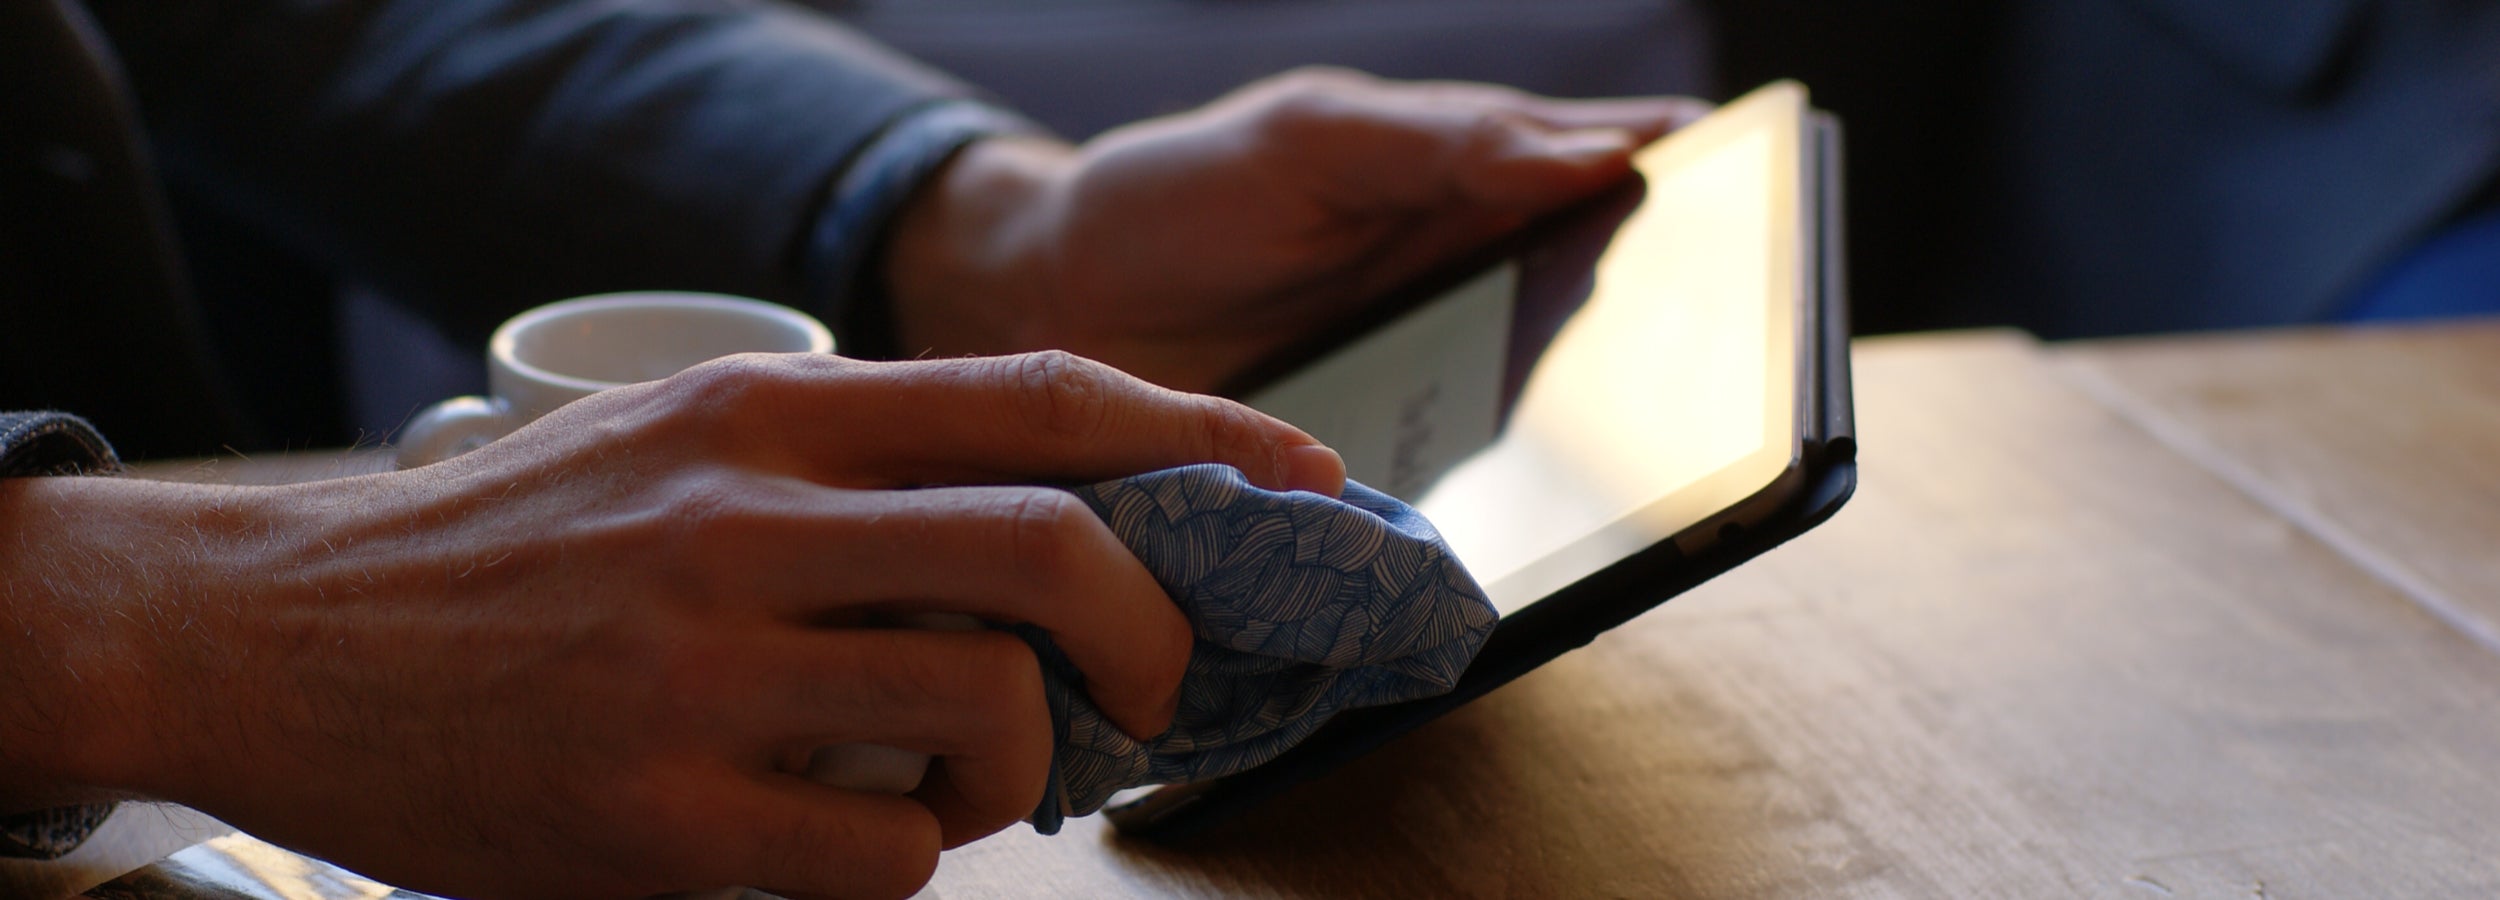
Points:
x=1742 y=489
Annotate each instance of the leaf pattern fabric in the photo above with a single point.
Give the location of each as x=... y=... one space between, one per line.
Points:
x=1303 y=605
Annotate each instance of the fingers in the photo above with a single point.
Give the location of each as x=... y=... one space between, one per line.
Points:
x=1430 y=144
x=1046 y=416
x=1017 y=554
x=964 y=816
x=1644 y=118
x=794 y=838
x=973 y=699
x=1003 y=554
x=1036 y=556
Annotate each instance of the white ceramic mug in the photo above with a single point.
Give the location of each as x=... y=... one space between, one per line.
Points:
x=561 y=352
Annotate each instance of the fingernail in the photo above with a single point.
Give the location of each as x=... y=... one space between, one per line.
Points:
x=1589 y=145
x=1314 y=468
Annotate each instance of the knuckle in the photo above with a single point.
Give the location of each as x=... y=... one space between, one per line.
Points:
x=1313 y=102
x=830 y=854
x=919 y=680
x=1008 y=672
x=1485 y=132
x=1046 y=535
x=1234 y=433
x=1322 y=79
x=742 y=385
x=802 y=846
x=1311 y=94
x=1478 y=138
x=1015 y=737
x=1062 y=395
x=909 y=860
x=971 y=672
x=1300 y=113
x=707 y=398
x=725 y=382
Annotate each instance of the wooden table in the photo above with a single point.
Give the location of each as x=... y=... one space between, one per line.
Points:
x=2207 y=616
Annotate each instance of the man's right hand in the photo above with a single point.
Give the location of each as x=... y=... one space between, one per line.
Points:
x=588 y=659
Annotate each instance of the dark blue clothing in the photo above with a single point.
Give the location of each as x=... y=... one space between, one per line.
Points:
x=2095 y=167
x=470 y=157
x=2454 y=274
x=2172 y=164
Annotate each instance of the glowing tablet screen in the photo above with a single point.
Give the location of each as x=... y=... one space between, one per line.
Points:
x=1668 y=395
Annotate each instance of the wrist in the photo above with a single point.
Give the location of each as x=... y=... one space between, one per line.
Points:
x=969 y=262
x=112 y=590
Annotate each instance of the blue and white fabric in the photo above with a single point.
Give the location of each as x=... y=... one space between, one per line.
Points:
x=1303 y=606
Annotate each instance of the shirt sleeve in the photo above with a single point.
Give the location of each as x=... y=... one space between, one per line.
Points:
x=51 y=443
x=475 y=157
x=850 y=237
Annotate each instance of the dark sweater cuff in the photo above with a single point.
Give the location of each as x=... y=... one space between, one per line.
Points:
x=33 y=444
x=50 y=833
x=843 y=278
x=51 y=443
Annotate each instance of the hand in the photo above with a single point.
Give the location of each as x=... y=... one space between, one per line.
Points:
x=586 y=659
x=1184 y=248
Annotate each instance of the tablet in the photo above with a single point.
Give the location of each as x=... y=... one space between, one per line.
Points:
x=1599 y=413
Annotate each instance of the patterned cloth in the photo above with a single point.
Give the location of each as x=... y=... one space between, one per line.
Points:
x=1303 y=606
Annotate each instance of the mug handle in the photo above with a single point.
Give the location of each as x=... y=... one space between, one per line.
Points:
x=454 y=427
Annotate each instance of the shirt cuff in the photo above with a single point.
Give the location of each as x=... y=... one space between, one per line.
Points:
x=51 y=443
x=842 y=277
x=51 y=833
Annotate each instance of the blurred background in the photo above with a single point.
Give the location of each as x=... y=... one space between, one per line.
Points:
x=2077 y=168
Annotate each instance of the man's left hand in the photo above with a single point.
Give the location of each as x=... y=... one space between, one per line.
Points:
x=1184 y=248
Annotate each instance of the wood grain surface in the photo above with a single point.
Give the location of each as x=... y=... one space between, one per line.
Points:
x=2384 y=441
x=2039 y=655
x=2045 y=652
